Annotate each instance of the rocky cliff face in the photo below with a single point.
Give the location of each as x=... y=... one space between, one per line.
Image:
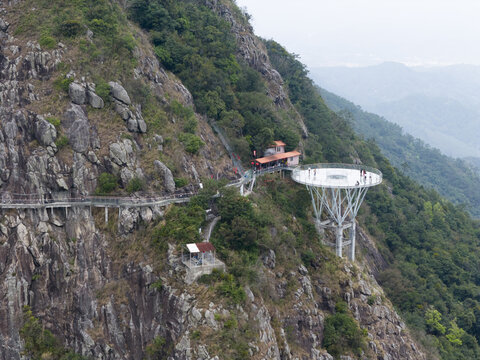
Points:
x=98 y=290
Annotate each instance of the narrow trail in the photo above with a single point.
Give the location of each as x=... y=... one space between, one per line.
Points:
x=209 y=229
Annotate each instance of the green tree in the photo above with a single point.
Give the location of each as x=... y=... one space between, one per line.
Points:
x=432 y=319
x=455 y=333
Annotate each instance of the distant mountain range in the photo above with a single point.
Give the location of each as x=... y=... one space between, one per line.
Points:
x=440 y=105
x=455 y=179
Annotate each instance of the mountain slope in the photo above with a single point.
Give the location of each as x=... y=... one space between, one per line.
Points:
x=453 y=178
x=116 y=289
x=438 y=105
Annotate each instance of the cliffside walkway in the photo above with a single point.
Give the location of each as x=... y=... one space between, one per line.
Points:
x=33 y=201
x=18 y=201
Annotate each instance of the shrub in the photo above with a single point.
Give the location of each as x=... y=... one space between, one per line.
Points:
x=191 y=142
x=47 y=42
x=103 y=90
x=40 y=343
x=159 y=349
x=190 y=125
x=61 y=142
x=232 y=289
x=70 y=28
x=103 y=28
x=62 y=83
x=163 y=56
x=157 y=285
x=342 y=333
x=371 y=300
x=54 y=121
x=310 y=259
x=228 y=286
x=106 y=183
x=180 y=182
x=135 y=185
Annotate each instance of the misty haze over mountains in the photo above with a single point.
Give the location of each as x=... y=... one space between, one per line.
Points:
x=440 y=105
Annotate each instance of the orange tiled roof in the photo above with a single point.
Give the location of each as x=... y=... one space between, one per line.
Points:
x=280 y=156
x=278 y=143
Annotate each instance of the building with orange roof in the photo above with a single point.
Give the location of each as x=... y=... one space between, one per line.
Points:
x=275 y=155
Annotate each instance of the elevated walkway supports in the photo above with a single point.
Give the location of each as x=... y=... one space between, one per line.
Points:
x=342 y=206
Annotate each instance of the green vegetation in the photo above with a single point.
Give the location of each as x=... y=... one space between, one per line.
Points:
x=102 y=89
x=62 y=83
x=181 y=182
x=106 y=183
x=61 y=142
x=157 y=285
x=159 y=349
x=135 y=185
x=226 y=285
x=104 y=53
x=41 y=343
x=452 y=178
x=331 y=138
x=191 y=142
x=198 y=46
x=47 y=42
x=54 y=121
x=342 y=334
x=430 y=245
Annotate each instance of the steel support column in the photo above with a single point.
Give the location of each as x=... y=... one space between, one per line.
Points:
x=352 y=241
x=341 y=206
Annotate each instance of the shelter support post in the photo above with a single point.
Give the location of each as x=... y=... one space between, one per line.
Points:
x=106 y=214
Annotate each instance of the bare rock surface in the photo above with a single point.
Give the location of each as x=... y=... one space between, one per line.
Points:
x=119 y=93
x=78 y=128
x=166 y=174
x=77 y=93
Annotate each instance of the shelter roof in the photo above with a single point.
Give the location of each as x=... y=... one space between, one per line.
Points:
x=200 y=247
x=280 y=156
x=279 y=143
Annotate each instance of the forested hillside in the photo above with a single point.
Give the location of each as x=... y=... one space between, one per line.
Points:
x=430 y=245
x=453 y=178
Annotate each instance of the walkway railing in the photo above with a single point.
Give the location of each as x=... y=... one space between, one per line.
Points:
x=30 y=201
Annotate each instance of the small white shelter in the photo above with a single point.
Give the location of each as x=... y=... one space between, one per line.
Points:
x=200 y=259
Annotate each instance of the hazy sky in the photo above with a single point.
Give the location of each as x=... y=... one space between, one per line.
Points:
x=366 y=32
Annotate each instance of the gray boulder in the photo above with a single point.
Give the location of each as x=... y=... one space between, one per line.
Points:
x=94 y=100
x=158 y=138
x=4 y=25
x=45 y=133
x=118 y=154
x=77 y=93
x=166 y=174
x=269 y=259
x=119 y=93
x=122 y=153
x=122 y=110
x=132 y=125
x=142 y=125
x=78 y=128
